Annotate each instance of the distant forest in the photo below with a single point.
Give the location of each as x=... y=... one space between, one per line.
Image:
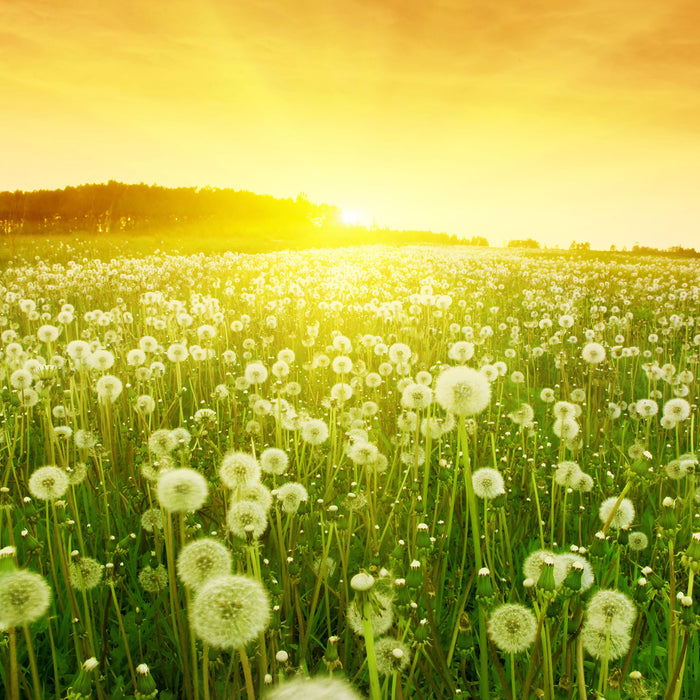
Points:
x=247 y=220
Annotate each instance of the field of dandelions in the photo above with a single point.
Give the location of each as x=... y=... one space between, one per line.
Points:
x=400 y=473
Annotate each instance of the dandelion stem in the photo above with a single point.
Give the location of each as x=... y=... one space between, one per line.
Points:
x=580 y=671
x=374 y=692
x=14 y=671
x=250 y=688
x=205 y=670
x=36 y=683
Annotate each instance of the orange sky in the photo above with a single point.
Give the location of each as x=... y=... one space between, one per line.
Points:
x=554 y=119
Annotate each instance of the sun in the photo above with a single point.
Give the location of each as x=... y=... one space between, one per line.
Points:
x=354 y=217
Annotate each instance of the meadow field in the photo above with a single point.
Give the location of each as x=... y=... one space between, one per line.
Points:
x=412 y=472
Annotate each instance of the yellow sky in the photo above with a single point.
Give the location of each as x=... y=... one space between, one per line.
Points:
x=554 y=119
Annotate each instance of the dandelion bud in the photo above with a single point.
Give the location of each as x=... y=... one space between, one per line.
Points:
x=688 y=616
x=668 y=522
x=145 y=685
x=7 y=559
x=32 y=543
x=691 y=558
x=636 y=686
x=528 y=583
x=415 y=575
x=403 y=594
x=422 y=633
x=81 y=687
x=641 y=592
x=330 y=657
x=484 y=588
x=573 y=578
x=423 y=536
x=654 y=579
x=546 y=581
x=124 y=544
x=598 y=546
x=398 y=552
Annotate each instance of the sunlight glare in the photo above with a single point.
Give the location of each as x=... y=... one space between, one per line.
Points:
x=353 y=217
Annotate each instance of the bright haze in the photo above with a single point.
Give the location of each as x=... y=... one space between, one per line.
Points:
x=507 y=119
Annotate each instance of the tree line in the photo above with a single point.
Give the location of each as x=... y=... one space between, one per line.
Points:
x=118 y=208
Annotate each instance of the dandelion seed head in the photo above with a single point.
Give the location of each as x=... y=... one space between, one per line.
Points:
x=611 y=609
x=274 y=461
x=585 y=483
x=48 y=483
x=108 y=388
x=152 y=519
x=162 y=442
x=85 y=573
x=76 y=473
x=239 y=469
x=565 y=428
x=623 y=516
x=523 y=414
x=201 y=560
x=181 y=490
x=230 y=611
x=153 y=580
x=593 y=353
x=21 y=379
x=321 y=688
x=291 y=495
x=598 y=641
x=677 y=410
x=463 y=391
x=256 y=373
x=25 y=596
x=637 y=541
x=392 y=656
x=416 y=397
x=568 y=474
x=461 y=351
x=246 y=517
x=512 y=628
x=488 y=483
x=258 y=493
x=381 y=614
